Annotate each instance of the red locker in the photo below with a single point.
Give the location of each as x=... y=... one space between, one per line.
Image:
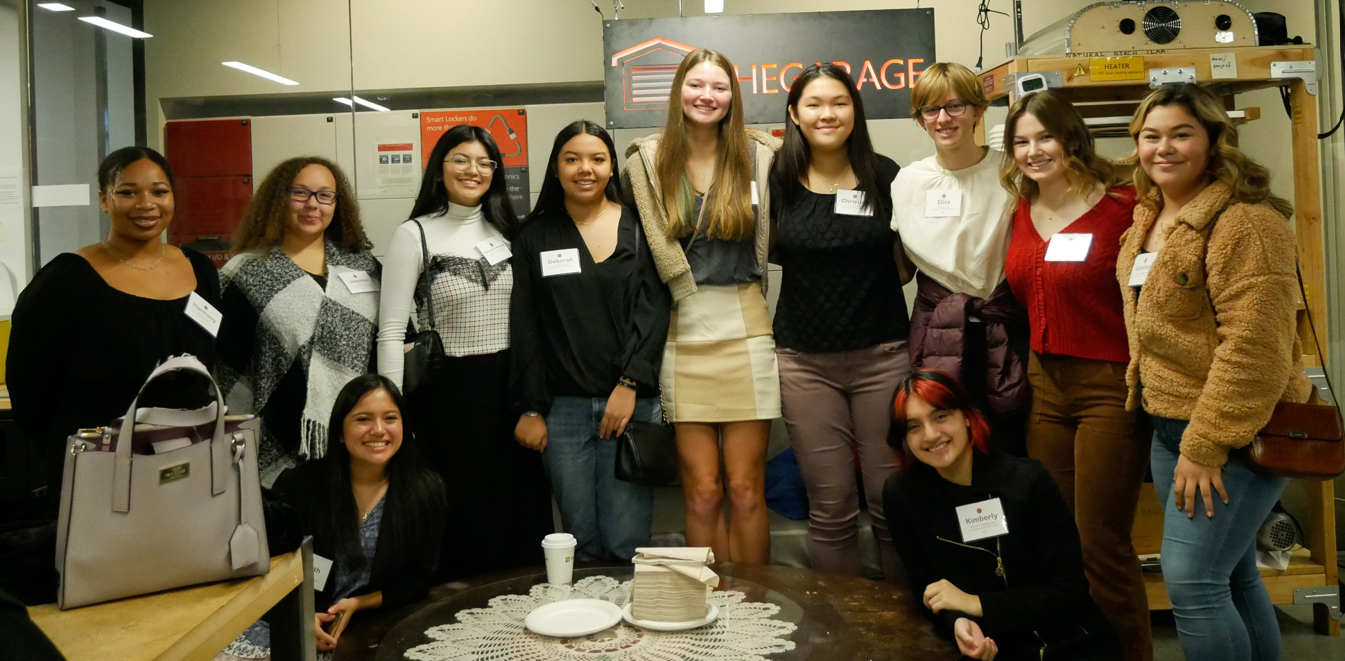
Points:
x=212 y=162
x=209 y=147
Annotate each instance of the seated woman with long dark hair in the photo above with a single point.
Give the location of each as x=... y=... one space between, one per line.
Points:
x=989 y=545
x=372 y=508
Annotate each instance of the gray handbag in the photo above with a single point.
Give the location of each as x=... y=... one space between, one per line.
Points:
x=189 y=513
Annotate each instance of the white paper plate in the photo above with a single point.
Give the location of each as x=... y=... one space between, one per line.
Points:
x=710 y=615
x=573 y=618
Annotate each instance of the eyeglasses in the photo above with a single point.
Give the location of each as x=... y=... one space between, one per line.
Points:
x=301 y=194
x=954 y=109
x=463 y=164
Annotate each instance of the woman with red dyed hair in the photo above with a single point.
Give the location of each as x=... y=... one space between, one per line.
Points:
x=989 y=545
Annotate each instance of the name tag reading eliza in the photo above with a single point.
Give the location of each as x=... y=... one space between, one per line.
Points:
x=202 y=312
x=943 y=203
x=359 y=282
x=560 y=262
x=494 y=250
x=982 y=520
x=851 y=203
x=1140 y=271
x=1068 y=247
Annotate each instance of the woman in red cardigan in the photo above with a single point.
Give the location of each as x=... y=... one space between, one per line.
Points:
x=1062 y=267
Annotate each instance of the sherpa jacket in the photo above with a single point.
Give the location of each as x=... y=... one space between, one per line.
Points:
x=640 y=183
x=1212 y=338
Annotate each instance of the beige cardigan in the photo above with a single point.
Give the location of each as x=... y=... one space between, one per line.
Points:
x=1212 y=339
x=640 y=183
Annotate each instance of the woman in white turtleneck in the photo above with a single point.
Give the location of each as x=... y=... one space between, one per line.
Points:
x=497 y=491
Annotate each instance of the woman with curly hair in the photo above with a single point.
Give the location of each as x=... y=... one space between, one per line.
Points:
x=1207 y=272
x=300 y=308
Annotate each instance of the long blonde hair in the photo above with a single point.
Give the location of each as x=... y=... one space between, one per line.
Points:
x=1084 y=169
x=728 y=203
x=1249 y=180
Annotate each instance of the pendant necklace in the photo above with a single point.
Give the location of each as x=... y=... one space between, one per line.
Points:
x=163 y=247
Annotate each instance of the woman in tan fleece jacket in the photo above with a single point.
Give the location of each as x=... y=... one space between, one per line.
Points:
x=1208 y=281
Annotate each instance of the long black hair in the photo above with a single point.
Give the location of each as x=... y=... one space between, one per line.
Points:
x=791 y=163
x=433 y=197
x=414 y=500
x=552 y=197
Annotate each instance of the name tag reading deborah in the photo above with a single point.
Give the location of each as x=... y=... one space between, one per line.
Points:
x=359 y=282
x=560 y=262
x=851 y=203
x=1139 y=273
x=202 y=312
x=494 y=250
x=982 y=520
x=943 y=203
x=1068 y=247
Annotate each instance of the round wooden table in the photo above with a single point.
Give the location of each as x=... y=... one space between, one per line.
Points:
x=838 y=617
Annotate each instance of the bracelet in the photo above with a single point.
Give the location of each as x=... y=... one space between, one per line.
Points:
x=627 y=384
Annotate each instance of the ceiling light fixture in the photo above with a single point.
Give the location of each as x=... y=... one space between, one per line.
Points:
x=259 y=72
x=366 y=104
x=55 y=6
x=714 y=6
x=115 y=27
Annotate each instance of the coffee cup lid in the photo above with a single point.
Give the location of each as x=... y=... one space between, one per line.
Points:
x=558 y=539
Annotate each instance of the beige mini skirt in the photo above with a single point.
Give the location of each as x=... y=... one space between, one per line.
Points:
x=719 y=362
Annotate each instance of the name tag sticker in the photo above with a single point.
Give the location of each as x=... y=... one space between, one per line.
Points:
x=322 y=567
x=943 y=204
x=358 y=282
x=756 y=199
x=202 y=312
x=851 y=203
x=1139 y=273
x=560 y=262
x=494 y=250
x=982 y=520
x=1068 y=247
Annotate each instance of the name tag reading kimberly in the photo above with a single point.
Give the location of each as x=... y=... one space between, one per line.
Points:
x=358 y=282
x=560 y=262
x=202 y=312
x=851 y=203
x=322 y=567
x=494 y=250
x=1068 y=247
x=982 y=520
x=943 y=204
x=1139 y=273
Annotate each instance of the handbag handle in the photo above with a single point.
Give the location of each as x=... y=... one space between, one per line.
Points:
x=425 y=270
x=219 y=450
x=1326 y=373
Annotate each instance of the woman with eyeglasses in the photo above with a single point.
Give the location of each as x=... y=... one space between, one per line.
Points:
x=299 y=306
x=954 y=219
x=497 y=491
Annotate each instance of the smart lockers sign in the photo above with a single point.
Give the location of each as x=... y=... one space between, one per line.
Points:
x=884 y=51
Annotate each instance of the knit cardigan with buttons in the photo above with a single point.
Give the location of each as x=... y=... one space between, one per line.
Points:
x=1212 y=337
x=640 y=185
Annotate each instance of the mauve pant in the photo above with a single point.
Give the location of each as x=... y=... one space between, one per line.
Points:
x=1097 y=452
x=837 y=406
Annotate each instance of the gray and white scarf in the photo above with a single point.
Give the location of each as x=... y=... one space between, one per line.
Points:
x=332 y=332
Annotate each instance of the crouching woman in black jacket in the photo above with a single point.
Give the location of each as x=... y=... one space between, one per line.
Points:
x=372 y=508
x=990 y=547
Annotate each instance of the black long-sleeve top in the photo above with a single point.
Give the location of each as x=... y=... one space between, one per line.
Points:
x=1042 y=599
x=80 y=350
x=575 y=335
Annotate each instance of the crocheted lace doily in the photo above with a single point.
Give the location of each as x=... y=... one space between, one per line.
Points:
x=744 y=631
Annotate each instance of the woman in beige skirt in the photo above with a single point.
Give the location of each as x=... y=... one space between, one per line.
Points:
x=701 y=190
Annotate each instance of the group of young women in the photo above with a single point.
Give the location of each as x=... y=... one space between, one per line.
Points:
x=642 y=296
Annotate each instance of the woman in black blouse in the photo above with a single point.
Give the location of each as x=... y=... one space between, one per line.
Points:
x=588 y=318
x=841 y=321
x=94 y=323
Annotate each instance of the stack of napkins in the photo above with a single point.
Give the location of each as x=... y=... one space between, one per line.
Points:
x=672 y=584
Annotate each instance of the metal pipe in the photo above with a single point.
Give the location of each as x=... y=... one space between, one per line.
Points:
x=1017 y=25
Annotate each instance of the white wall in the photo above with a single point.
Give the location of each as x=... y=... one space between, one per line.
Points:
x=14 y=238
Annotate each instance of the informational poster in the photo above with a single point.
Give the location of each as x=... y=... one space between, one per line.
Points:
x=396 y=165
x=11 y=195
x=507 y=126
x=884 y=50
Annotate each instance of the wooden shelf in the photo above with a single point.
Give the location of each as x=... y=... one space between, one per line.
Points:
x=1303 y=572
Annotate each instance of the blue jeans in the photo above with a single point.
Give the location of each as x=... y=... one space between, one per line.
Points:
x=608 y=517
x=1222 y=610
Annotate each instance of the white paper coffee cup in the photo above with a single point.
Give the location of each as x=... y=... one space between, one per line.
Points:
x=558 y=548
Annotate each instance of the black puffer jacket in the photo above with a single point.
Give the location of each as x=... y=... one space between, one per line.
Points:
x=1039 y=608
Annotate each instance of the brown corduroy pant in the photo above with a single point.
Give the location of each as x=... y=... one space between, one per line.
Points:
x=1097 y=452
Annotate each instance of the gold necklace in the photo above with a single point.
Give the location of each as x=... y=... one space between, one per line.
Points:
x=163 y=248
x=602 y=213
x=382 y=489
